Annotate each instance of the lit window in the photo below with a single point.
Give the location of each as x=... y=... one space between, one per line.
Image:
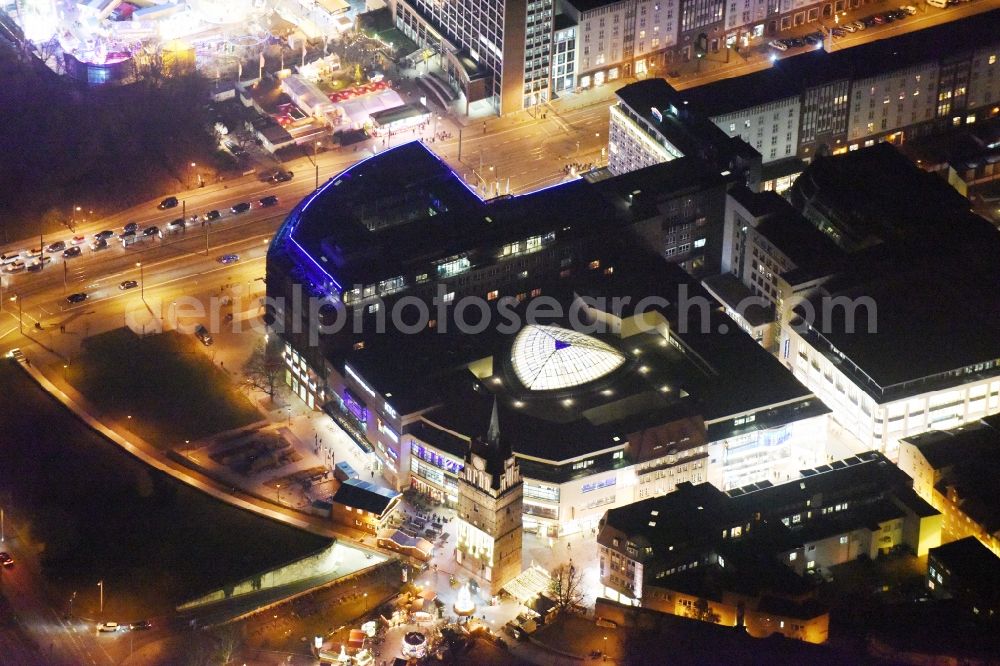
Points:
x=792 y=557
x=594 y=265
x=492 y=296
x=843 y=539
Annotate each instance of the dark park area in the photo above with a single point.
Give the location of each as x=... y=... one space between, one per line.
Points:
x=91 y=512
x=167 y=385
x=99 y=149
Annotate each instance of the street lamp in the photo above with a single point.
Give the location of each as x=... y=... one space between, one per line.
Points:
x=142 y=283
x=278 y=487
x=316 y=148
x=366 y=602
x=20 y=317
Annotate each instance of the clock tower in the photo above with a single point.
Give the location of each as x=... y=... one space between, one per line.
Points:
x=490 y=495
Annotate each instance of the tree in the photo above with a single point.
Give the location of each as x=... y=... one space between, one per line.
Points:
x=264 y=369
x=566 y=587
x=702 y=611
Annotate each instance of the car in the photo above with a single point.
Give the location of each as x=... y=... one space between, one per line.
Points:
x=202 y=334
x=281 y=176
x=838 y=32
x=859 y=25
x=74 y=251
x=212 y=215
x=6 y=560
x=33 y=252
x=241 y=207
x=778 y=45
x=849 y=27
x=141 y=625
x=176 y=224
x=78 y=240
x=58 y=246
x=888 y=17
x=909 y=9
x=14 y=267
x=104 y=235
x=229 y=258
x=99 y=244
x=131 y=228
x=876 y=19
x=128 y=284
x=151 y=231
x=169 y=202
x=813 y=38
x=269 y=200
x=795 y=42
x=10 y=257
x=235 y=149
x=36 y=265
x=76 y=298
x=108 y=626
x=127 y=236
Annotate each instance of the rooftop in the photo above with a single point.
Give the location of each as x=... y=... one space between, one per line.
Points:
x=364 y=495
x=973 y=563
x=790 y=77
x=564 y=393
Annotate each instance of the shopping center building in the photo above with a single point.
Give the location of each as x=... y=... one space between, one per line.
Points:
x=537 y=303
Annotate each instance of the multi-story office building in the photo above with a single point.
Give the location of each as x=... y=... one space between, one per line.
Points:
x=917 y=263
x=956 y=471
x=652 y=124
x=619 y=38
x=886 y=90
x=496 y=52
x=742 y=554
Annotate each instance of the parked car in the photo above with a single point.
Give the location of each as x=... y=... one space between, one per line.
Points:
x=72 y=252
x=108 y=626
x=6 y=560
x=169 y=202
x=58 y=246
x=778 y=45
x=212 y=215
x=141 y=625
x=813 y=38
x=795 y=42
x=131 y=227
x=176 y=224
x=849 y=27
x=10 y=257
x=269 y=200
x=36 y=265
x=281 y=176
x=151 y=231
x=104 y=235
x=241 y=207
x=128 y=284
x=77 y=298
x=99 y=244
x=838 y=32
x=859 y=25
x=33 y=252
x=229 y=258
x=235 y=149
x=909 y=9
x=14 y=267
x=78 y=240
x=202 y=334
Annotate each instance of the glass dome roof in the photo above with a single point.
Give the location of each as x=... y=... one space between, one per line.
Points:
x=546 y=358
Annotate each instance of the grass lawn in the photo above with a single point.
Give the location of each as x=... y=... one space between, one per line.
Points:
x=172 y=391
x=93 y=512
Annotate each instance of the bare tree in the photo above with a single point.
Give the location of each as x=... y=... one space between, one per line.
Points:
x=264 y=369
x=703 y=611
x=566 y=587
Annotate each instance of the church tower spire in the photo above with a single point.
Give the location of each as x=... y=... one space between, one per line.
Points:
x=493 y=433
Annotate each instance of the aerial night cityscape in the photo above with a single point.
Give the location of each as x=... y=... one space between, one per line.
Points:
x=551 y=332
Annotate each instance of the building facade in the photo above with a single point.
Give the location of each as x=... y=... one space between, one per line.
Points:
x=489 y=512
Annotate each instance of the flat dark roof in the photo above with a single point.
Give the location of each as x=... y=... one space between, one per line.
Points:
x=790 y=77
x=974 y=563
x=711 y=374
x=364 y=495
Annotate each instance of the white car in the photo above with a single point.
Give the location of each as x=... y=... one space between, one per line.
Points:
x=909 y=9
x=859 y=25
x=10 y=257
x=108 y=626
x=778 y=44
x=849 y=27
